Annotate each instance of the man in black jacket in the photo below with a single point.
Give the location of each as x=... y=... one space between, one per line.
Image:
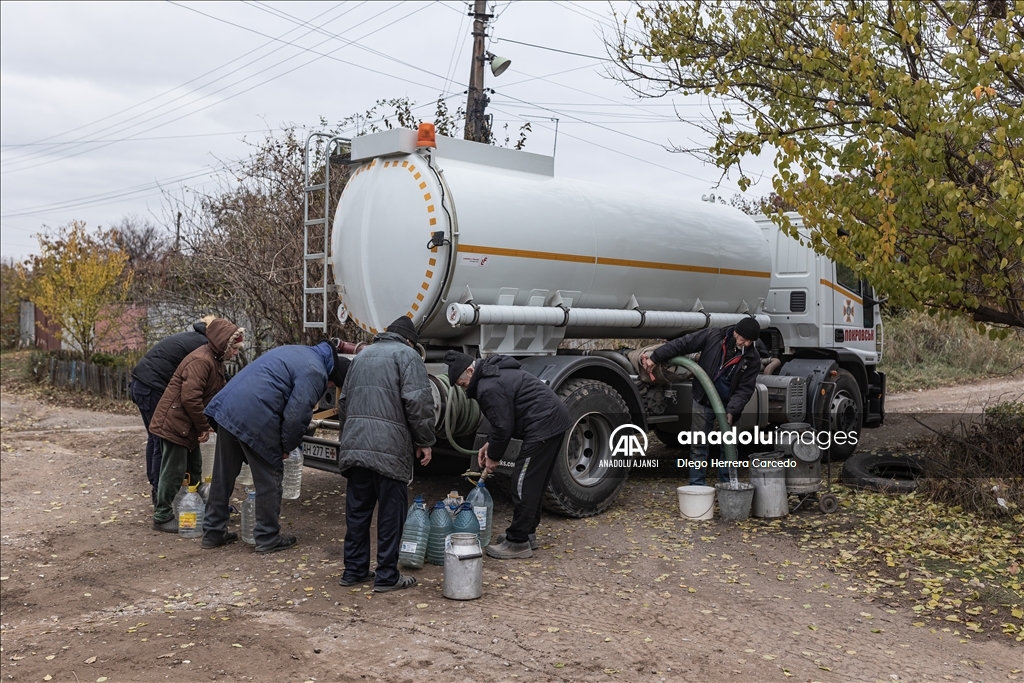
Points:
x=150 y=378
x=387 y=415
x=517 y=405
x=729 y=358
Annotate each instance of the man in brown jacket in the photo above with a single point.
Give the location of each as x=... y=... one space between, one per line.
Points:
x=179 y=420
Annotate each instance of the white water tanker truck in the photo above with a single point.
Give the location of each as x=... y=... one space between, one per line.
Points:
x=487 y=252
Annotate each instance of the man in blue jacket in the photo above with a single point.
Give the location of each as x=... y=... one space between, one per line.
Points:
x=388 y=414
x=262 y=415
x=517 y=405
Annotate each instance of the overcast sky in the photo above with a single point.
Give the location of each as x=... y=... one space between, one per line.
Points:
x=104 y=106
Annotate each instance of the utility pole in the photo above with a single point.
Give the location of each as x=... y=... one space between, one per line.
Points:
x=177 y=233
x=477 y=128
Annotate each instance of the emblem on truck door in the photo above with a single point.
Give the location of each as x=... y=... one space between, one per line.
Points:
x=848 y=311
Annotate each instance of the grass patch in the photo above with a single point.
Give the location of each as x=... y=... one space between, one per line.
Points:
x=923 y=351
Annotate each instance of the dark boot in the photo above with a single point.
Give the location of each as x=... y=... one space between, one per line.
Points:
x=509 y=551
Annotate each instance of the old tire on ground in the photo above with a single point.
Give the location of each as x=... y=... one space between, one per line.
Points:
x=886 y=472
x=846 y=414
x=579 y=487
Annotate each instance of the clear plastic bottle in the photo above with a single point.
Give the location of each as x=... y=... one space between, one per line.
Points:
x=465 y=521
x=292 y=485
x=244 y=476
x=415 y=535
x=483 y=507
x=248 y=526
x=179 y=495
x=452 y=503
x=190 y=514
x=209 y=451
x=440 y=527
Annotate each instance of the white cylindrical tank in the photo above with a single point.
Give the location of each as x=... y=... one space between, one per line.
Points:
x=514 y=237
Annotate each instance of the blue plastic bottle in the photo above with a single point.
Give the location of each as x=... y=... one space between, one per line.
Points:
x=415 y=535
x=465 y=521
x=440 y=527
x=483 y=507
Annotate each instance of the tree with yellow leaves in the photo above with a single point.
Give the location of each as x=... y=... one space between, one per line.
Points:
x=897 y=129
x=77 y=280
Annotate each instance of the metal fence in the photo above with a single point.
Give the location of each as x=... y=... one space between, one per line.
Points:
x=94 y=379
x=100 y=380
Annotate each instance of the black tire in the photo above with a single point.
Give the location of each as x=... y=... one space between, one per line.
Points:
x=578 y=487
x=828 y=503
x=886 y=472
x=846 y=414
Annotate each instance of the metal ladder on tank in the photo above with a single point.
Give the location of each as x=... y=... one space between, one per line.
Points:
x=316 y=231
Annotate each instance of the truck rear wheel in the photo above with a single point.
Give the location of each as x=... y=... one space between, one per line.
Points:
x=846 y=414
x=579 y=485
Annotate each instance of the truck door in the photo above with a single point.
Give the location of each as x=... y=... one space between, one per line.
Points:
x=854 y=326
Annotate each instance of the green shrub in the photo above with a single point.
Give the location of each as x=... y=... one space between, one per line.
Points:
x=979 y=465
x=923 y=351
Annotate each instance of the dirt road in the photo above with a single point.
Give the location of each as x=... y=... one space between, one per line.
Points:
x=91 y=593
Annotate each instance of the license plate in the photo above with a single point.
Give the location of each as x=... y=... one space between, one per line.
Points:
x=319 y=451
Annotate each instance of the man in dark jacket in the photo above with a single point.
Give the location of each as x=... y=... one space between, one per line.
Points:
x=179 y=420
x=150 y=378
x=388 y=414
x=729 y=358
x=262 y=415
x=518 y=406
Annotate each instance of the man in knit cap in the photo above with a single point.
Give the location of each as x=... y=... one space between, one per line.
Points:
x=517 y=405
x=729 y=358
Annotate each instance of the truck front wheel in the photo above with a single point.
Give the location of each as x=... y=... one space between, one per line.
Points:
x=846 y=414
x=582 y=484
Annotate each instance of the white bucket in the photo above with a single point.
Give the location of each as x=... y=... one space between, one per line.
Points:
x=696 y=502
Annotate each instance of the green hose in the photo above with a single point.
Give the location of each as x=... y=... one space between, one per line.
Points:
x=716 y=401
x=461 y=414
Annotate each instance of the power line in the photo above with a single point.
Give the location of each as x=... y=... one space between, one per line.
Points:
x=122 y=123
x=135 y=189
x=609 y=149
x=384 y=55
x=552 y=49
x=319 y=56
x=158 y=137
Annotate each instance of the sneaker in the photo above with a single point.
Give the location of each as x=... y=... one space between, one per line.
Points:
x=170 y=526
x=211 y=541
x=403 y=582
x=507 y=550
x=533 y=541
x=351 y=582
x=283 y=542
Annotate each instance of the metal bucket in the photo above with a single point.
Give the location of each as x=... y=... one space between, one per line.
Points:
x=804 y=478
x=463 y=567
x=734 y=500
x=770 y=496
